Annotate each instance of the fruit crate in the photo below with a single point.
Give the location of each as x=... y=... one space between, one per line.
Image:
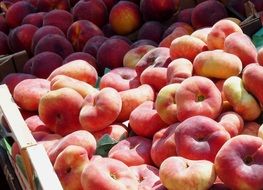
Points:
x=35 y=170
x=12 y=63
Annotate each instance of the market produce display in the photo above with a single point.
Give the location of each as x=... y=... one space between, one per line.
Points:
x=139 y=94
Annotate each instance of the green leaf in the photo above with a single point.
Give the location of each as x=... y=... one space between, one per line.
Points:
x=6 y=145
x=104 y=145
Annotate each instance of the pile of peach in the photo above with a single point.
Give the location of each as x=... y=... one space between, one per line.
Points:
x=175 y=105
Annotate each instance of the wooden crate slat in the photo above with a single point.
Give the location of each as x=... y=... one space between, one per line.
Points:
x=14 y=119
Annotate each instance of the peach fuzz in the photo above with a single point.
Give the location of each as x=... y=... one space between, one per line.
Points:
x=62 y=81
x=145 y=121
x=27 y=93
x=260 y=56
x=35 y=19
x=219 y=31
x=147 y=28
x=187 y=47
x=100 y=110
x=178 y=70
x=217 y=64
x=240 y=99
x=132 y=98
x=46 y=5
x=78 y=69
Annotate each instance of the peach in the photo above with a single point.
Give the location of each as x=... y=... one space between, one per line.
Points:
x=34 y=123
x=143 y=42
x=53 y=110
x=92 y=45
x=232 y=122
x=236 y=165
x=80 y=138
x=158 y=10
x=83 y=56
x=110 y=3
x=122 y=78
x=97 y=13
x=35 y=19
x=46 y=5
x=3 y=25
x=41 y=68
x=156 y=57
x=178 y=70
x=125 y=17
x=156 y=77
x=69 y=165
x=219 y=31
x=146 y=31
x=252 y=78
x=100 y=110
x=132 y=151
x=198 y=95
x=163 y=144
x=106 y=58
x=59 y=18
x=202 y=33
x=28 y=92
x=116 y=131
x=61 y=81
x=80 y=31
x=187 y=47
x=176 y=33
x=165 y=103
x=20 y=38
x=12 y=79
x=107 y=173
x=251 y=128
x=132 y=56
x=148 y=176
x=200 y=138
x=208 y=13
x=132 y=98
x=54 y=43
x=241 y=100
x=43 y=31
x=176 y=25
x=176 y=172
x=241 y=45
x=16 y=13
x=217 y=64
x=260 y=56
x=27 y=68
x=260 y=131
x=4 y=47
x=145 y=121
x=185 y=15
x=78 y=69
